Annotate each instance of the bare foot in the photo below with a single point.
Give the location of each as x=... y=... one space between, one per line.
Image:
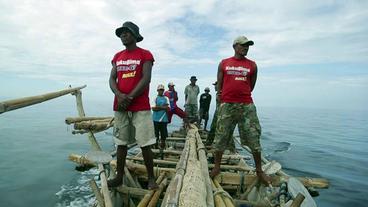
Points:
x=113 y=183
x=214 y=172
x=152 y=185
x=265 y=179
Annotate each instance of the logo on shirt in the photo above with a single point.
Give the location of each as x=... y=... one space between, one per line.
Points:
x=129 y=75
x=237 y=71
x=127 y=65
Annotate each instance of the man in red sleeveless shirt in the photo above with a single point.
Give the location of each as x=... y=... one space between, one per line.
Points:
x=129 y=81
x=236 y=78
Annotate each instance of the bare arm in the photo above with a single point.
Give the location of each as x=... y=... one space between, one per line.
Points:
x=112 y=80
x=123 y=99
x=253 y=78
x=220 y=77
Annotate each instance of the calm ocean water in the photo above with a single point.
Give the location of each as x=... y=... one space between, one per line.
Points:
x=35 y=144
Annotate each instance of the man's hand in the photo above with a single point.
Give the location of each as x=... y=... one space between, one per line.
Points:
x=123 y=101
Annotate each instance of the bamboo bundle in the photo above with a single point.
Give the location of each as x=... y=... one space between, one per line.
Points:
x=204 y=168
x=193 y=192
x=97 y=125
x=71 y=120
x=27 y=101
x=173 y=190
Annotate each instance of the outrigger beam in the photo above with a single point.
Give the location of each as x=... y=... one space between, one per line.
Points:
x=31 y=100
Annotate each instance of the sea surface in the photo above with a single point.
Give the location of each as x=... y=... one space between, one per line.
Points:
x=35 y=144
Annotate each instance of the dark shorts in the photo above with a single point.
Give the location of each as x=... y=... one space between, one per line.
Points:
x=203 y=114
x=243 y=115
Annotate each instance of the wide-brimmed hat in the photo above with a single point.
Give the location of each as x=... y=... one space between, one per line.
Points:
x=131 y=27
x=193 y=78
x=242 y=40
x=160 y=87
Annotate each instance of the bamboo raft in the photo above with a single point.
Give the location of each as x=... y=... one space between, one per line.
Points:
x=181 y=169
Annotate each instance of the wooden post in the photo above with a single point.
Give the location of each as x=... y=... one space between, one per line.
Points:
x=95 y=146
x=97 y=193
x=31 y=100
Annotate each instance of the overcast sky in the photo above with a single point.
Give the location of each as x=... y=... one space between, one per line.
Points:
x=309 y=53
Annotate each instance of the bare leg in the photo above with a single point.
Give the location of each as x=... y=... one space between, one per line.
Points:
x=121 y=153
x=216 y=170
x=148 y=161
x=261 y=175
x=205 y=124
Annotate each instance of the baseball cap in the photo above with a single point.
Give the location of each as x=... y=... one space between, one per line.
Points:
x=241 y=40
x=160 y=87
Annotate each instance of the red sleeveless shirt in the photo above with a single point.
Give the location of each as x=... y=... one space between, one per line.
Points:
x=129 y=66
x=236 y=85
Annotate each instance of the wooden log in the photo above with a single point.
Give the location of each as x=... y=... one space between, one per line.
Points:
x=70 y=120
x=27 y=101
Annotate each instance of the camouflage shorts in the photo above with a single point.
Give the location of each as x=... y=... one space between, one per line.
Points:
x=192 y=112
x=243 y=115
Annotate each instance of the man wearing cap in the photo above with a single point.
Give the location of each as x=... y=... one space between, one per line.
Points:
x=204 y=106
x=236 y=78
x=129 y=81
x=191 y=100
x=173 y=98
x=160 y=108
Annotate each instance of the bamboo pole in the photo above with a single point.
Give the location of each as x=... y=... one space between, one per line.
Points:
x=173 y=190
x=166 y=162
x=228 y=202
x=146 y=199
x=219 y=202
x=203 y=160
x=31 y=100
x=97 y=193
x=224 y=178
x=134 y=192
x=156 y=195
x=95 y=146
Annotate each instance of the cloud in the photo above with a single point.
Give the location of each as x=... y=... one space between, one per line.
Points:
x=74 y=41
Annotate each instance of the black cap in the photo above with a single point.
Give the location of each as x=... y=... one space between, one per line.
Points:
x=131 y=27
x=193 y=77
